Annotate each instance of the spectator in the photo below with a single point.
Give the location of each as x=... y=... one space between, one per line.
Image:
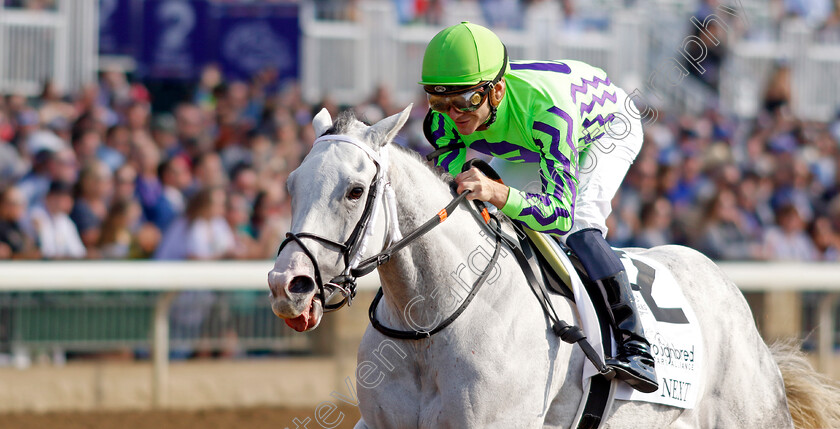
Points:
x=87 y=145
x=117 y=146
x=656 y=224
x=244 y=181
x=714 y=47
x=238 y=215
x=116 y=238
x=176 y=179
x=52 y=106
x=125 y=183
x=149 y=189
x=15 y=243
x=789 y=241
x=826 y=240
x=48 y=166
x=57 y=235
x=209 y=172
x=777 y=94
x=722 y=235
x=270 y=220
x=93 y=192
x=191 y=130
x=164 y=136
x=202 y=233
x=211 y=77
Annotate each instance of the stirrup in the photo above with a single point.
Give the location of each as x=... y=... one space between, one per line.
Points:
x=636 y=369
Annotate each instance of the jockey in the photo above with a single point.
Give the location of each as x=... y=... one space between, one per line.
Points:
x=564 y=119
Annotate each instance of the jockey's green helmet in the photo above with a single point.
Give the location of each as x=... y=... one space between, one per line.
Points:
x=463 y=55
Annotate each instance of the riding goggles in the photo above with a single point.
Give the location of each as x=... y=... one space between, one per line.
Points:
x=467 y=101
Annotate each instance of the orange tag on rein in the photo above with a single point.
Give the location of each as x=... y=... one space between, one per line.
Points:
x=485 y=215
x=442 y=215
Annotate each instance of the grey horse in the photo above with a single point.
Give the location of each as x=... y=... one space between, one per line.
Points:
x=498 y=365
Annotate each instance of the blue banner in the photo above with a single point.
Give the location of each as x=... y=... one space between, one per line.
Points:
x=117 y=28
x=174 y=42
x=252 y=38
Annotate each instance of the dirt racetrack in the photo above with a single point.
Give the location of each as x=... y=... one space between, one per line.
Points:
x=250 y=418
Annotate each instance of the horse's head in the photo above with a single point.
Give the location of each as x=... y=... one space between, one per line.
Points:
x=334 y=207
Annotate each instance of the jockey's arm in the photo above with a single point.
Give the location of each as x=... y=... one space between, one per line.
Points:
x=551 y=211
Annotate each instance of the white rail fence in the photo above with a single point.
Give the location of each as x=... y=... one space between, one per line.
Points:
x=168 y=278
x=60 y=45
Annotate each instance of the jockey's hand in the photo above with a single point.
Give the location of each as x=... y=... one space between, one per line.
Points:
x=483 y=188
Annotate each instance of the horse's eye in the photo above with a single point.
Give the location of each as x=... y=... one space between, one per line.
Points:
x=356 y=193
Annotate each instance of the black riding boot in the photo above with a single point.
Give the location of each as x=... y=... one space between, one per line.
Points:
x=632 y=362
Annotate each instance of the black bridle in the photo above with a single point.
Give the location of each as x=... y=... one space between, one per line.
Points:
x=345 y=283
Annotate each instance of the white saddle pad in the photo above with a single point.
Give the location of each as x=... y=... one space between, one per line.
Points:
x=670 y=326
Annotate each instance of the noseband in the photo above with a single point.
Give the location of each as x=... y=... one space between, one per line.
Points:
x=352 y=249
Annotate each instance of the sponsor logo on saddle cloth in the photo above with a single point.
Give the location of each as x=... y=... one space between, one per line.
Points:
x=673 y=331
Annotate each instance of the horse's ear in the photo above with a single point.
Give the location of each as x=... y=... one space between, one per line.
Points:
x=385 y=130
x=321 y=122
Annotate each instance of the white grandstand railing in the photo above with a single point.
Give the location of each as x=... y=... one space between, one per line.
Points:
x=171 y=277
x=348 y=59
x=59 y=45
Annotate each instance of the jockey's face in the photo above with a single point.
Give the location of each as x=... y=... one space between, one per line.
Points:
x=470 y=122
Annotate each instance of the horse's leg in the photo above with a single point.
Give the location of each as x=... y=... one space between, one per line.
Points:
x=361 y=425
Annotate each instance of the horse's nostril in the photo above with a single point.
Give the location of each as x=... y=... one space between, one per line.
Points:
x=302 y=284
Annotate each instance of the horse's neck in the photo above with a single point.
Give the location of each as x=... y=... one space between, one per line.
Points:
x=424 y=265
x=420 y=279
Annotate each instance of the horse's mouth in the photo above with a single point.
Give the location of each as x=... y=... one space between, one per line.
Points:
x=310 y=318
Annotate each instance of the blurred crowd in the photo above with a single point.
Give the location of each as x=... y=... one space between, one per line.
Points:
x=763 y=189
x=98 y=176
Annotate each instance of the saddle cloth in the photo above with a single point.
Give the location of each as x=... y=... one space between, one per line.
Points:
x=670 y=326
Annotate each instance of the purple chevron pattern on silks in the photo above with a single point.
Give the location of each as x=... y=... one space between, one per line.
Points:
x=439 y=131
x=502 y=148
x=587 y=108
x=599 y=119
x=534 y=211
x=569 y=170
x=587 y=139
x=582 y=88
x=553 y=67
x=552 y=169
x=552 y=146
x=569 y=127
x=437 y=134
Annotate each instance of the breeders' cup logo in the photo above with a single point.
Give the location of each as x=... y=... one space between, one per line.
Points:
x=671 y=354
x=255 y=46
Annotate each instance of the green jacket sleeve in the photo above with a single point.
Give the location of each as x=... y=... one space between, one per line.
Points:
x=551 y=211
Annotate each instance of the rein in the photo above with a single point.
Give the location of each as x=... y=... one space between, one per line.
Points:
x=351 y=251
x=418 y=335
